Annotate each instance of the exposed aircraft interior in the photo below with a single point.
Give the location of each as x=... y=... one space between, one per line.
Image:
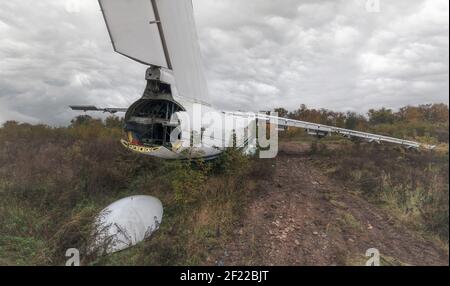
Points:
x=147 y=122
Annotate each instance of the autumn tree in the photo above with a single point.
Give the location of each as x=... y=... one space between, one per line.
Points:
x=113 y=122
x=281 y=112
x=381 y=116
x=81 y=120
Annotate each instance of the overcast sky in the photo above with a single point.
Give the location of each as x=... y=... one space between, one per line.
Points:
x=258 y=54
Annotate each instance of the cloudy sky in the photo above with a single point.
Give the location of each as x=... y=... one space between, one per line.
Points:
x=258 y=54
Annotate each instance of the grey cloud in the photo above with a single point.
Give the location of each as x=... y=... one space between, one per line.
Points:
x=258 y=54
x=331 y=54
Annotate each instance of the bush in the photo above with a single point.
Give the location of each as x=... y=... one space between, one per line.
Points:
x=413 y=185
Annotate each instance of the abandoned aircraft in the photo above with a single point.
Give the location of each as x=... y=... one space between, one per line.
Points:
x=173 y=119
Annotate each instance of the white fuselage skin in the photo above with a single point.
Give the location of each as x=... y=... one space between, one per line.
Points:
x=204 y=131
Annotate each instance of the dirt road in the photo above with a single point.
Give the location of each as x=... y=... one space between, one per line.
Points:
x=303 y=217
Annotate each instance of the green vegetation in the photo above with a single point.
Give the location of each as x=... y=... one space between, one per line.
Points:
x=53 y=181
x=412 y=185
x=425 y=123
x=348 y=220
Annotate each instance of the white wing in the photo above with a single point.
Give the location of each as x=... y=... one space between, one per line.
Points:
x=160 y=33
x=322 y=130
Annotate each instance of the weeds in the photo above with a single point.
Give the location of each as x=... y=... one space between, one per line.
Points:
x=54 y=181
x=412 y=185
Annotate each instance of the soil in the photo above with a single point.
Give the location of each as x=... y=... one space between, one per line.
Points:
x=303 y=217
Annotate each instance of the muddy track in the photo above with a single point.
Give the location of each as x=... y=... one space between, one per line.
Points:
x=302 y=217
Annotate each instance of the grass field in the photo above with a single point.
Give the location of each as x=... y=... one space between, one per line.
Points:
x=53 y=181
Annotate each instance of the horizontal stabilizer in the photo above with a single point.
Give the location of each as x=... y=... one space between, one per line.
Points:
x=86 y=108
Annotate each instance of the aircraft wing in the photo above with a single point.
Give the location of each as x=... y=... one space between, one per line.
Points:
x=322 y=130
x=159 y=33
x=94 y=108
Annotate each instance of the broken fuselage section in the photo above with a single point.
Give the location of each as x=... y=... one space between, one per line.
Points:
x=152 y=124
